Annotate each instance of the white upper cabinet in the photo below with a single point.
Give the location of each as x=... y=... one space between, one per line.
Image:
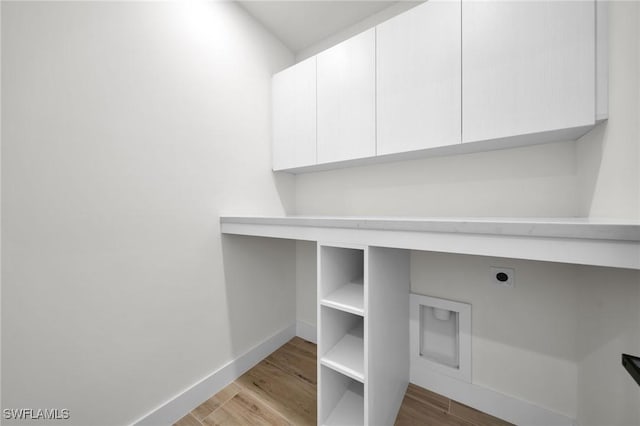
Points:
x=500 y=73
x=527 y=67
x=346 y=100
x=294 y=116
x=419 y=77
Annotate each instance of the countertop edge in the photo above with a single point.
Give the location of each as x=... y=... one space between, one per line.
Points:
x=575 y=228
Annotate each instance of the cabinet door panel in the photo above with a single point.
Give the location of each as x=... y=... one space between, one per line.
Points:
x=294 y=116
x=527 y=67
x=346 y=100
x=419 y=77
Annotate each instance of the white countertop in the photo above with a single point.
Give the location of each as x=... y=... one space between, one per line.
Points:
x=596 y=242
x=574 y=228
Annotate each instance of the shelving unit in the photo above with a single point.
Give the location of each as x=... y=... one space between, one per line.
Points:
x=362 y=369
x=341 y=344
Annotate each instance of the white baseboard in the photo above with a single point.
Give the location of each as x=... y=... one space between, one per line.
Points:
x=178 y=406
x=502 y=406
x=307 y=331
x=491 y=402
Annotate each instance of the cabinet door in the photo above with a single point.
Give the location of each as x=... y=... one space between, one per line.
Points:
x=294 y=116
x=419 y=78
x=527 y=67
x=346 y=100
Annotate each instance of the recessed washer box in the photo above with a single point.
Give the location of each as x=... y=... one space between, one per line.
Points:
x=441 y=335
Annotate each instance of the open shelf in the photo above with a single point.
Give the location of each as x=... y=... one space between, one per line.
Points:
x=348 y=298
x=340 y=399
x=350 y=408
x=347 y=356
x=339 y=269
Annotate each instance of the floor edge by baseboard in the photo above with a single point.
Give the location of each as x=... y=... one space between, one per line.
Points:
x=503 y=406
x=185 y=401
x=489 y=401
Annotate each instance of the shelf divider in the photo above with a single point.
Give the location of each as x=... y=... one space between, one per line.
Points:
x=348 y=298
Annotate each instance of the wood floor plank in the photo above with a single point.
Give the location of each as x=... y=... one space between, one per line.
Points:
x=211 y=404
x=476 y=417
x=304 y=345
x=244 y=409
x=297 y=360
x=188 y=420
x=416 y=413
x=427 y=397
x=287 y=394
x=281 y=390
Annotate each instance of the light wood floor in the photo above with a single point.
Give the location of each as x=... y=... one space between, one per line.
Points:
x=281 y=390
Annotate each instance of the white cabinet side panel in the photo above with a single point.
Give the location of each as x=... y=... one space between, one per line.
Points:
x=527 y=67
x=346 y=100
x=387 y=328
x=294 y=116
x=419 y=77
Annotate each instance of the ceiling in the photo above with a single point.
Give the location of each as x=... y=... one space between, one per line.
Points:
x=301 y=24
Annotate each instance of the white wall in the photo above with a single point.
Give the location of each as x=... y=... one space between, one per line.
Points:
x=523 y=339
x=608 y=158
x=555 y=339
x=609 y=325
x=531 y=181
x=306 y=278
x=609 y=170
x=568 y=323
x=369 y=22
x=128 y=128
